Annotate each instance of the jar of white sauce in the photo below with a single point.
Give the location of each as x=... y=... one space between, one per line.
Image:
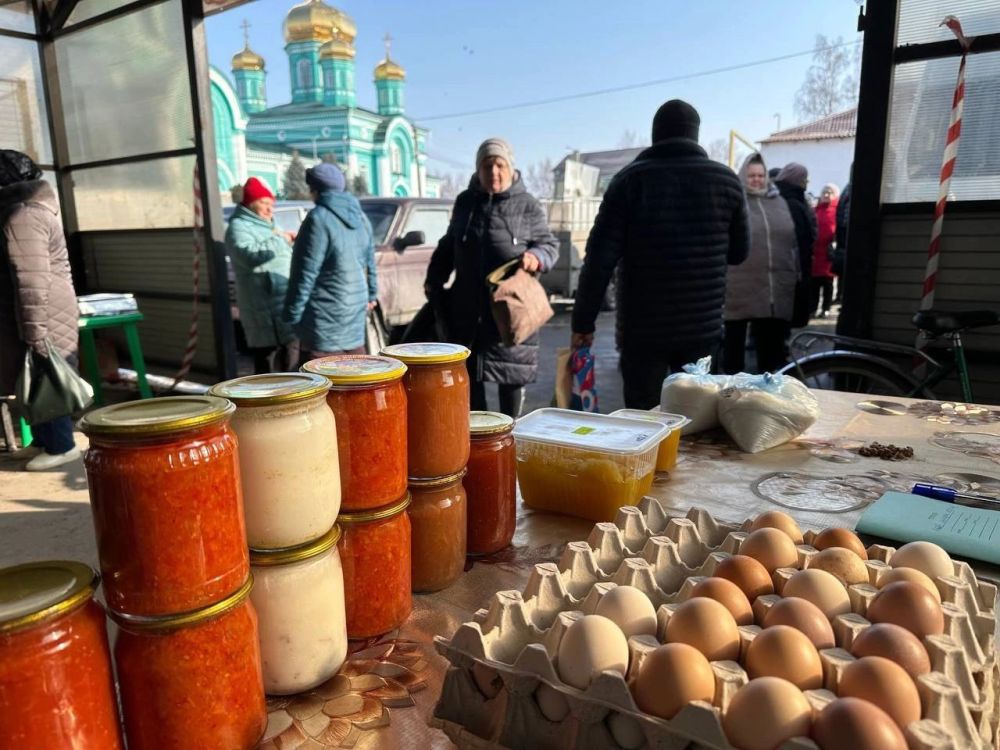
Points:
x=299 y=597
x=289 y=467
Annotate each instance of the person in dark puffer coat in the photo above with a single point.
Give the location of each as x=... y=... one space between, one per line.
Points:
x=494 y=221
x=675 y=220
x=791 y=183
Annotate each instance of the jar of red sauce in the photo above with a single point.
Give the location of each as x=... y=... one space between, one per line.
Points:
x=437 y=515
x=375 y=553
x=165 y=495
x=369 y=403
x=192 y=680
x=56 y=687
x=491 y=483
x=437 y=393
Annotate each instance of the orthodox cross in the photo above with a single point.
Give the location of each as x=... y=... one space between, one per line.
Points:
x=388 y=43
x=246 y=33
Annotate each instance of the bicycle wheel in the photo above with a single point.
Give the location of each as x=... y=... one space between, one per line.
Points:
x=838 y=372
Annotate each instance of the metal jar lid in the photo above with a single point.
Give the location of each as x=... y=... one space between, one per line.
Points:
x=34 y=592
x=157 y=416
x=271 y=389
x=184 y=619
x=353 y=370
x=288 y=555
x=424 y=482
x=427 y=353
x=483 y=423
x=375 y=514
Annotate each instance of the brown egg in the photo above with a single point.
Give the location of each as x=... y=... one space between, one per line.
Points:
x=842 y=563
x=820 y=588
x=671 y=677
x=909 y=605
x=858 y=725
x=884 y=683
x=751 y=577
x=729 y=595
x=837 y=537
x=706 y=625
x=909 y=574
x=894 y=643
x=765 y=713
x=771 y=548
x=775 y=519
x=803 y=616
x=782 y=651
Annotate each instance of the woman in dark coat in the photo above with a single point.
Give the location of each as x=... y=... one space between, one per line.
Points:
x=791 y=183
x=494 y=221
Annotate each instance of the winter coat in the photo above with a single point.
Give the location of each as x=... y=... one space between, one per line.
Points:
x=486 y=231
x=826 y=225
x=805 y=238
x=333 y=275
x=262 y=259
x=37 y=300
x=764 y=285
x=843 y=217
x=675 y=220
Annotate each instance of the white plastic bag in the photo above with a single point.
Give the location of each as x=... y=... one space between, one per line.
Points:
x=763 y=411
x=695 y=394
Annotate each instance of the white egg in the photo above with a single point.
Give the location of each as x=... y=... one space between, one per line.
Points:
x=590 y=646
x=927 y=557
x=551 y=703
x=629 y=609
x=626 y=731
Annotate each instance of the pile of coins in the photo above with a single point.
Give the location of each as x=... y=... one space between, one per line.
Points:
x=886 y=452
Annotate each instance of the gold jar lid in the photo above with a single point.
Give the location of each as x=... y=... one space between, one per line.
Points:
x=287 y=555
x=376 y=514
x=424 y=482
x=185 y=619
x=351 y=370
x=427 y=353
x=271 y=389
x=38 y=591
x=483 y=423
x=157 y=416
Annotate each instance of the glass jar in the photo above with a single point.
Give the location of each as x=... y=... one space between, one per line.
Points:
x=437 y=516
x=192 y=680
x=289 y=467
x=491 y=483
x=299 y=598
x=375 y=552
x=437 y=393
x=56 y=688
x=164 y=481
x=369 y=403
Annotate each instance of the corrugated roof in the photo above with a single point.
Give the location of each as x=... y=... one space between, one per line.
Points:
x=839 y=125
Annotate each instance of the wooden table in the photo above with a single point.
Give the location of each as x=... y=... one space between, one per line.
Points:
x=817 y=479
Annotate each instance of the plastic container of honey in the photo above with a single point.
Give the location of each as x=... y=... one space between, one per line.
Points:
x=666 y=456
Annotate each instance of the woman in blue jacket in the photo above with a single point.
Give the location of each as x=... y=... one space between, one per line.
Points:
x=333 y=282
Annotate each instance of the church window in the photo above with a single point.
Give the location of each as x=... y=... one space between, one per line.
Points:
x=396 y=159
x=304 y=74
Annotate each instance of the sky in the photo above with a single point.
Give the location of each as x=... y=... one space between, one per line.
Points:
x=463 y=55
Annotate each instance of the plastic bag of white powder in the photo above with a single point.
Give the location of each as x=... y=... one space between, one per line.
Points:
x=695 y=394
x=764 y=411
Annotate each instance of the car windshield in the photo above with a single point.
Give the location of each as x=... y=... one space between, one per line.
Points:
x=380 y=215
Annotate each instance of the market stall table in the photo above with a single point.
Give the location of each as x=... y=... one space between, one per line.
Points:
x=386 y=692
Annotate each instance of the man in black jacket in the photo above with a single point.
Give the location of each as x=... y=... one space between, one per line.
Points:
x=675 y=220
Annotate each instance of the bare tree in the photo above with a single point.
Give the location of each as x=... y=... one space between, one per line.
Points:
x=451 y=185
x=632 y=139
x=718 y=150
x=540 y=180
x=832 y=80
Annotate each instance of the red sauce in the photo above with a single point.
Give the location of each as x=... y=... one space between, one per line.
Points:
x=198 y=686
x=438 y=422
x=56 y=688
x=491 y=487
x=437 y=515
x=168 y=513
x=376 y=559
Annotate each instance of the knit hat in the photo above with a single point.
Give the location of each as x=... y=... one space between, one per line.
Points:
x=254 y=190
x=17 y=167
x=325 y=176
x=676 y=119
x=495 y=147
x=832 y=187
x=794 y=174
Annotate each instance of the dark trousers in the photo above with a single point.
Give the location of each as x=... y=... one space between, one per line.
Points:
x=643 y=374
x=284 y=358
x=824 y=285
x=511 y=398
x=55 y=436
x=769 y=335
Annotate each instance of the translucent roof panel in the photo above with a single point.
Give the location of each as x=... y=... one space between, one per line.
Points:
x=24 y=124
x=16 y=15
x=87 y=9
x=920 y=20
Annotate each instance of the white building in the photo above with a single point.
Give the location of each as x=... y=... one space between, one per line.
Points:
x=825 y=147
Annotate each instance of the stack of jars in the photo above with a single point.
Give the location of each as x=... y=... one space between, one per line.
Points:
x=290 y=473
x=437 y=391
x=165 y=495
x=369 y=402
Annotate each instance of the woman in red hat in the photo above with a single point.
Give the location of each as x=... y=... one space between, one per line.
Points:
x=261 y=255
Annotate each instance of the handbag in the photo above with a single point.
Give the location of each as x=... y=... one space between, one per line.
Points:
x=49 y=387
x=519 y=302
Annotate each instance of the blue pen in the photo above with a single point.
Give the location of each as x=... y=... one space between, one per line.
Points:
x=948 y=495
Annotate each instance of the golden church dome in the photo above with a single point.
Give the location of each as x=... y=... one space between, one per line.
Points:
x=389 y=70
x=247 y=59
x=337 y=48
x=314 y=20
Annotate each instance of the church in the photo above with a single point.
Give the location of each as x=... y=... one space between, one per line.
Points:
x=382 y=152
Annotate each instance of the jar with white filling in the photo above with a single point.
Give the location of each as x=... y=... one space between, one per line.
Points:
x=299 y=597
x=289 y=466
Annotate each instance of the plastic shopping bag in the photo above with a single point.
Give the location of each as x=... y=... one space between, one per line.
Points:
x=584 y=393
x=695 y=394
x=764 y=411
x=49 y=387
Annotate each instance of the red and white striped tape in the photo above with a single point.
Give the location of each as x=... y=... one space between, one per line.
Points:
x=199 y=239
